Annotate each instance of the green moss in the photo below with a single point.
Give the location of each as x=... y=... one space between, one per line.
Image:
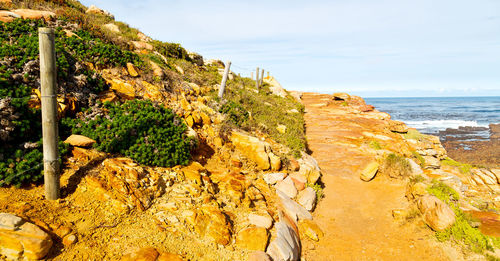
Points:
x=414 y=135
x=375 y=145
x=318 y=189
x=463 y=167
x=146 y=132
x=419 y=157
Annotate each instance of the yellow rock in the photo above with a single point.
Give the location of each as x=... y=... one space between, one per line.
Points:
x=370 y=170
x=131 y=70
x=169 y=257
x=123 y=89
x=190 y=121
x=251 y=147
x=275 y=161
x=205 y=118
x=151 y=91
x=218 y=142
x=79 y=141
x=143 y=254
x=252 y=238
x=192 y=172
x=211 y=222
x=185 y=105
x=196 y=117
x=310 y=229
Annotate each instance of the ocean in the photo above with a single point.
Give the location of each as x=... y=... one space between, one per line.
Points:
x=438 y=114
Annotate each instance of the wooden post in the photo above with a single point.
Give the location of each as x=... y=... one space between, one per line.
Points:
x=224 y=79
x=251 y=76
x=261 y=77
x=257 y=79
x=267 y=74
x=49 y=113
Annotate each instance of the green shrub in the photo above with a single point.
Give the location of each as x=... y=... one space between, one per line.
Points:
x=237 y=114
x=148 y=133
x=172 y=50
x=396 y=166
x=267 y=111
x=463 y=167
x=318 y=189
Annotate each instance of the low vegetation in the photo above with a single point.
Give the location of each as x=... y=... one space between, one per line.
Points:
x=252 y=110
x=395 y=166
x=462 y=231
x=148 y=133
x=463 y=167
x=414 y=135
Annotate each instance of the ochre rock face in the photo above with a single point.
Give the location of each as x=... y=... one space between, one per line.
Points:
x=436 y=213
x=19 y=239
x=212 y=223
x=252 y=238
x=251 y=147
x=34 y=14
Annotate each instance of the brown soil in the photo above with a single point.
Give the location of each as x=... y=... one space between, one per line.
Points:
x=356 y=215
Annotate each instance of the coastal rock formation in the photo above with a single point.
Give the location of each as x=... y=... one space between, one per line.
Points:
x=79 y=141
x=21 y=239
x=436 y=213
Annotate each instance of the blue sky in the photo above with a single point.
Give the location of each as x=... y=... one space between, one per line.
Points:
x=385 y=48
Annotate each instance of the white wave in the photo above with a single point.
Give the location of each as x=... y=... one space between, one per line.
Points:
x=443 y=124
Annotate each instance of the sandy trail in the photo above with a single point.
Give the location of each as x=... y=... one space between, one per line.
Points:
x=356 y=215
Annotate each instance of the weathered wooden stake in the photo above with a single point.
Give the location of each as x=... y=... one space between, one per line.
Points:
x=261 y=77
x=257 y=79
x=224 y=79
x=251 y=75
x=267 y=74
x=49 y=113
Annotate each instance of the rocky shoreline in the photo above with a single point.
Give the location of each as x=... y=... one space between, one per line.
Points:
x=464 y=145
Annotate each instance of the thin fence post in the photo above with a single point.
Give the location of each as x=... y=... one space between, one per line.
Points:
x=224 y=79
x=267 y=74
x=49 y=113
x=257 y=79
x=251 y=75
x=261 y=77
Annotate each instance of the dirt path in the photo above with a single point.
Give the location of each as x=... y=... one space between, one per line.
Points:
x=356 y=215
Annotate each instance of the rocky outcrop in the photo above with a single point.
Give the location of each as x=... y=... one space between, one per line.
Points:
x=254 y=149
x=252 y=238
x=20 y=239
x=436 y=213
x=96 y=10
x=275 y=87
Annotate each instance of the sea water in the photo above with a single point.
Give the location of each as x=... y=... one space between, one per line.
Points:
x=432 y=115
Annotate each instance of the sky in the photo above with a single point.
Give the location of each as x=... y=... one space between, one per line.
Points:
x=384 y=48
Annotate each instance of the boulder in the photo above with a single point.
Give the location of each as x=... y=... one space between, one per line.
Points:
x=299 y=180
x=251 y=147
x=310 y=229
x=258 y=220
x=287 y=186
x=274 y=161
x=79 y=141
x=309 y=168
x=398 y=126
x=140 y=45
x=124 y=89
x=436 y=213
x=34 y=14
x=341 y=96
x=286 y=246
x=112 y=27
x=96 y=10
x=431 y=162
x=20 y=239
x=273 y=178
x=252 y=238
x=292 y=208
x=131 y=70
x=275 y=87
x=196 y=58
x=369 y=171
x=7 y=16
x=157 y=70
x=415 y=168
x=210 y=222
x=259 y=256
x=307 y=198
